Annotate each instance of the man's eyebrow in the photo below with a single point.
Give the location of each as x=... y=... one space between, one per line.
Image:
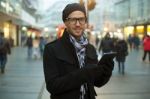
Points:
x=76 y=17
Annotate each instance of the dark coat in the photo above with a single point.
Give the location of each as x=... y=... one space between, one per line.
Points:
x=5 y=47
x=62 y=73
x=107 y=45
x=122 y=50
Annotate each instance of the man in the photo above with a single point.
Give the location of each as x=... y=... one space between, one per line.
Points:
x=70 y=62
x=121 y=48
x=107 y=44
x=4 y=50
x=146 y=47
x=29 y=44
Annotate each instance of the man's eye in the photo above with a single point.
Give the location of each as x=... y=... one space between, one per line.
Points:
x=74 y=19
x=81 y=19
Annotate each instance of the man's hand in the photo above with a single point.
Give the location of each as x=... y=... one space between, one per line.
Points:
x=107 y=66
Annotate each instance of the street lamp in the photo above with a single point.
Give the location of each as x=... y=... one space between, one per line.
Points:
x=89 y=5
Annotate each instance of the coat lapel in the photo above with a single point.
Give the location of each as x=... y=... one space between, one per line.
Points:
x=65 y=50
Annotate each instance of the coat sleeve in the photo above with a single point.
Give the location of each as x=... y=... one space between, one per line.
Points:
x=105 y=75
x=105 y=72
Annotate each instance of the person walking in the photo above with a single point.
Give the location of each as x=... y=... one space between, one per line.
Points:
x=4 y=50
x=42 y=45
x=29 y=44
x=136 y=42
x=146 y=47
x=70 y=63
x=130 y=41
x=121 y=48
x=36 y=48
x=107 y=44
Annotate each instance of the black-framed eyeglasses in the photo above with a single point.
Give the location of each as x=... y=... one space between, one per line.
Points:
x=73 y=21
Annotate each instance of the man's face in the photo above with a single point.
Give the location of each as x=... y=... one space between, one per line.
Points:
x=75 y=23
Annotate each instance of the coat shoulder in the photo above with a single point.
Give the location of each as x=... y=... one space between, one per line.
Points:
x=53 y=44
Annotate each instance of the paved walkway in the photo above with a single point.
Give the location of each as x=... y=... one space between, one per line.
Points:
x=133 y=85
x=24 y=79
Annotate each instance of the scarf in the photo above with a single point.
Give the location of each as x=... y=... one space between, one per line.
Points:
x=80 y=51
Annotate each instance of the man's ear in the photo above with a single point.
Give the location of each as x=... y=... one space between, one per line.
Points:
x=86 y=25
x=66 y=23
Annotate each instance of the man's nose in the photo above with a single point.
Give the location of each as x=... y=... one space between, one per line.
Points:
x=77 y=22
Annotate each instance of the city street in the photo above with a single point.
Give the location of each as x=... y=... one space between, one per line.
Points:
x=24 y=79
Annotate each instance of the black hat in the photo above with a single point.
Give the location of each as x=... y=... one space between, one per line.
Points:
x=72 y=7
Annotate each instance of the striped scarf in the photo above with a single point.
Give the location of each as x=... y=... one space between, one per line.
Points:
x=80 y=51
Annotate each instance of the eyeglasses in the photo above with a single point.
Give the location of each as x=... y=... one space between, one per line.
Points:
x=73 y=21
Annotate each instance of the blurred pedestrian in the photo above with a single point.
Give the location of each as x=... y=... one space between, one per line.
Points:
x=70 y=62
x=130 y=41
x=146 y=47
x=36 y=50
x=42 y=45
x=121 y=48
x=29 y=44
x=107 y=44
x=11 y=41
x=4 y=50
x=136 y=42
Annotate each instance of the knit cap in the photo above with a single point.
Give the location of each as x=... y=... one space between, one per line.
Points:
x=72 y=7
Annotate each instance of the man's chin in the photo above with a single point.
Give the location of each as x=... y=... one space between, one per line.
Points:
x=78 y=32
x=77 y=35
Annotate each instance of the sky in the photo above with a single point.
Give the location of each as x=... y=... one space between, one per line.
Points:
x=48 y=3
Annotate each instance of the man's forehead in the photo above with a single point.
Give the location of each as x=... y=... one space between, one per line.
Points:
x=76 y=14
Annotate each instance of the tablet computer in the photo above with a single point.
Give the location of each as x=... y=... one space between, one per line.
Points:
x=109 y=56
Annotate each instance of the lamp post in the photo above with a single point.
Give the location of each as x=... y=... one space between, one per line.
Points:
x=87 y=12
x=89 y=5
